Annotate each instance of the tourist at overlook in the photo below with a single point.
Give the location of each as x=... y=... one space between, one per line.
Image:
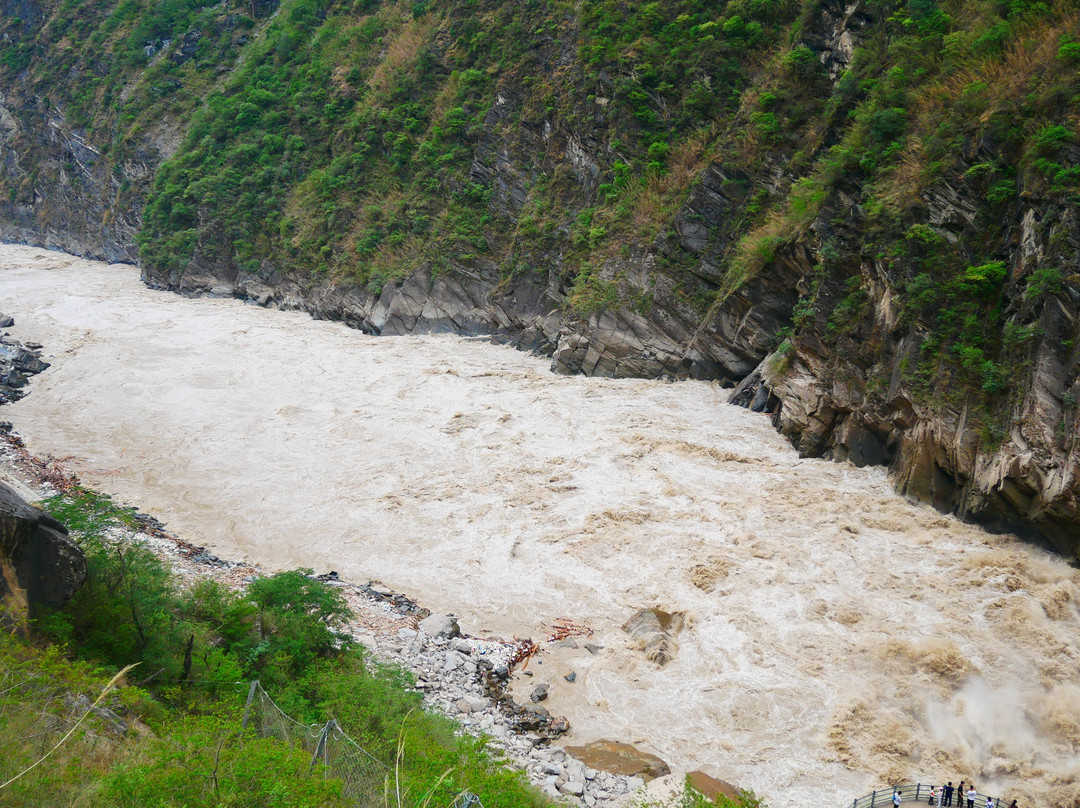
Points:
x=896 y=799
x=948 y=795
x=971 y=795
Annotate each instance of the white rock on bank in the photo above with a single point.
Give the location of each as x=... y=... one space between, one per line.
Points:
x=440 y=625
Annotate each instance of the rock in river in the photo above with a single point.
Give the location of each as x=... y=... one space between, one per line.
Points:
x=620 y=758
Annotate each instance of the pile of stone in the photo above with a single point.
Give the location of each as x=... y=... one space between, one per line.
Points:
x=467 y=678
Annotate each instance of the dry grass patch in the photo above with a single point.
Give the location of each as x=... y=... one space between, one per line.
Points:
x=402 y=52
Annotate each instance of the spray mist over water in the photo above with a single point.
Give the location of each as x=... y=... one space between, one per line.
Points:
x=837 y=638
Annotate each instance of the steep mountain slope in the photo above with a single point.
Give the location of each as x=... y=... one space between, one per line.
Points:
x=864 y=214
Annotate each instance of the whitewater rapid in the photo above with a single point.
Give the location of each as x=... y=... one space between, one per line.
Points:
x=839 y=637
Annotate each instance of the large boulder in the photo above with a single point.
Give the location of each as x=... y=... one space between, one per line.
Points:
x=712 y=789
x=620 y=758
x=654 y=632
x=39 y=564
x=440 y=625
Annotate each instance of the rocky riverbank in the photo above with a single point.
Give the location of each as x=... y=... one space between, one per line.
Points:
x=468 y=678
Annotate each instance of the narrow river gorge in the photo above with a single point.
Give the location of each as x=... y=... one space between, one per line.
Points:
x=838 y=637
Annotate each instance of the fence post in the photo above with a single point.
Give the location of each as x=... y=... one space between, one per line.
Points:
x=250 y=699
x=331 y=724
x=320 y=747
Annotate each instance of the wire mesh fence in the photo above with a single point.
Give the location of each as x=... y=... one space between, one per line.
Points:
x=366 y=780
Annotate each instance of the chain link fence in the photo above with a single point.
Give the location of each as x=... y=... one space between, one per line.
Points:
x=366 y=780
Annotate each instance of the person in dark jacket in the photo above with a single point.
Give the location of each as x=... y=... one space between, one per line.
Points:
x=947 y=802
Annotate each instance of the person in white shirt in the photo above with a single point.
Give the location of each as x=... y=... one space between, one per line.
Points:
x=896 y=799
x=971 y=795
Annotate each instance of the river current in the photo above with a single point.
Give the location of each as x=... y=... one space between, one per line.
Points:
x=838 y=638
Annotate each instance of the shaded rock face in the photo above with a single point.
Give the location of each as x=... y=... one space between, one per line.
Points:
x=41 y=566
x=1012 y=463
x=67 y=196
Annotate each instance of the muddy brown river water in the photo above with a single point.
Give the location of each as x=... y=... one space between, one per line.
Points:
x=838 y=638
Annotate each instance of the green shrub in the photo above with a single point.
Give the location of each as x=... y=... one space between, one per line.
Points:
x=984 y=280
x=1044 y=282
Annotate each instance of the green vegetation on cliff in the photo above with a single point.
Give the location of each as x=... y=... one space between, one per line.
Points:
x=354 y=139
x=346 y=141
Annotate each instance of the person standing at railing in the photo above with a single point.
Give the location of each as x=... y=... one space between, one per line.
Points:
x=896 y=799
x=948 y=795
x=960 y=795
x=989 y=802
x=933 y=796
x=971 y=795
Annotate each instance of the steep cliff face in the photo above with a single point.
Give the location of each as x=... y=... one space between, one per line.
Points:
x=94 y=96
x=864 y=214
x=61 y=193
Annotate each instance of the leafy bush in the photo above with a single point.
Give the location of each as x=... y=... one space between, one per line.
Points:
x=984 y=280
x=1044 y=282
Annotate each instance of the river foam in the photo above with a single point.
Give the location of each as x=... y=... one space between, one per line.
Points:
x=838 y=638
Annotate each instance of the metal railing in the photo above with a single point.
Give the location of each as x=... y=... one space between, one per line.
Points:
x=916 y=792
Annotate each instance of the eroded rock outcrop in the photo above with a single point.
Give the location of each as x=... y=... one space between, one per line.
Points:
x=40 y=565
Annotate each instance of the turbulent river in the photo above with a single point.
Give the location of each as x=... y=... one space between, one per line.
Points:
x=838 y=637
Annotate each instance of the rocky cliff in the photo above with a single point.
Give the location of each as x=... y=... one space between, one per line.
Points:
x=40 y=565
x=863 y=215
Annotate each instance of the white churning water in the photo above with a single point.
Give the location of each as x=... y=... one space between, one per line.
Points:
x=839 y=637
